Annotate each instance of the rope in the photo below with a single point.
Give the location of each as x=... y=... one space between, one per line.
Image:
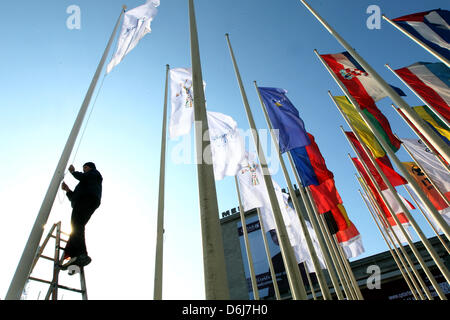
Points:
x=89 y=116
x=82 y=134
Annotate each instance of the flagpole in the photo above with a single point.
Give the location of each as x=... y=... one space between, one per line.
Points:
x=216 y=286
x=293 y=273
x=247 y=244
x=336 y=247
x=325 y=232
x=311 y=286
x=428 y=220
x=420 y=43
x=428 y=133
x=427 y=175
x=394 y=216
x=28 y=255
x=442 y=223
x=315 y=226
x=320 y=277
x=419 y=96
x=390 y=231
x=157 y=286
x=405 y=276
x=424 y=140
x=273 y=275
x=348 y=269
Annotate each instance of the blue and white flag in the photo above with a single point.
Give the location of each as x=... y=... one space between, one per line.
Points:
x=430 y=27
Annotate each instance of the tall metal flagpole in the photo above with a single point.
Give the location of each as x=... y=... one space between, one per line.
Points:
x=420 y=43
x=440 y=145
x=389 y=230
x=292 y=271
x=31 y=247
x=419 y=96
x=405 y=275
x=247 y=244
x=322 y=245
x=216 y=286
x=320 y=276
x=436 y=215
x=273 y=274
x=157 y=286
x=326 y=236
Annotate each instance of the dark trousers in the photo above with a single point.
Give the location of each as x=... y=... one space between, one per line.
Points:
x=82 y=211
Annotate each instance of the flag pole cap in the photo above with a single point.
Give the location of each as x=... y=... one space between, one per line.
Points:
x=124 y=7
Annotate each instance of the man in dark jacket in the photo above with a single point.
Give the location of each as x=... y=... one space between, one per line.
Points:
x=85 y=199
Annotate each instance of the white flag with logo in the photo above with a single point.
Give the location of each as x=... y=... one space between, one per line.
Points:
x=182 y=102
x=136 y=24
x=254 y=193
x=430 y=164
x=227 y=145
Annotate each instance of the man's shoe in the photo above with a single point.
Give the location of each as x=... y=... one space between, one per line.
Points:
x=83 y=260
x=72 y=261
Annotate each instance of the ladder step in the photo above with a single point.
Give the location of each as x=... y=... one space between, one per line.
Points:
x=48 y=258
x=59 y=238
x=59 y=286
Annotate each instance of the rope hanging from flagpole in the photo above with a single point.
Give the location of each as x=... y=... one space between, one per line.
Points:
x=87 y=121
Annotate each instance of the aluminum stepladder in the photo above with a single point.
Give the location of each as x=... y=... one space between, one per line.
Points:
x=57 y=259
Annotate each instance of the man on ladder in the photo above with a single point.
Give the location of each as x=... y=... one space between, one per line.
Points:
x=85 y=199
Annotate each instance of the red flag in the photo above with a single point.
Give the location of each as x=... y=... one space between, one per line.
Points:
x=317 y=161
x=383 y=162
x=325 y=196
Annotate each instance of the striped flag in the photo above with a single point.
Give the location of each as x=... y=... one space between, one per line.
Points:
x=383 y=162
x=431 y=81
x=430 y=27
x=361 y=85
x=435 y=123
x=360 y=126
x=389 y=196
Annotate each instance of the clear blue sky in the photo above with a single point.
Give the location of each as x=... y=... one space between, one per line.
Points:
x=46 y=69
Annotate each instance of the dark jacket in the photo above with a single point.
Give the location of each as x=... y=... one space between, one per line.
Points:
x=90 y=186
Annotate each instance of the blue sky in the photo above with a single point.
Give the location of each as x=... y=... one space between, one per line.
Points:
x=46 y=69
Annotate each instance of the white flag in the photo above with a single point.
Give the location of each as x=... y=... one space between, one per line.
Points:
x=182 y=101
x=227 y=145
x=430 y=164
x=299 y=245
x=136 y=24
x=254 y=193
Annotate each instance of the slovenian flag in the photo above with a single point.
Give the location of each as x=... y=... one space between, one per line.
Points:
x=431 y=81
x=361 y=85
x=430 y=27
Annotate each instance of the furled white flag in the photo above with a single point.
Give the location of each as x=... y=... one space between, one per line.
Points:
x=298 y=242
x=136 y=24
x=227 y=145
x=430 y=164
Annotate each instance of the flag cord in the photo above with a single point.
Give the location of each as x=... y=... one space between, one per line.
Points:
x=87 y=121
